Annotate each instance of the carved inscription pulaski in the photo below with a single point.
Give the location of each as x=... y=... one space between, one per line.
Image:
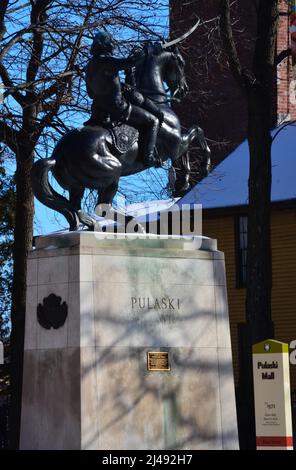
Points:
x=148 y=303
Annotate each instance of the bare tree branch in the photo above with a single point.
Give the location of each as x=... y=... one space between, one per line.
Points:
x=283 y=55
x=20 y=7
x=283 y=126
x=8 y=136
x=3 y=9
x=15 y=38
x=229 y=43
x=28 y=85
x=37 y=16
x=7 y=82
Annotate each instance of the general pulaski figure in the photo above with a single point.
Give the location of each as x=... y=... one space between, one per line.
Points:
x=109 y=101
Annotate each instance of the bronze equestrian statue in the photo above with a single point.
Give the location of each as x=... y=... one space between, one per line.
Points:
x=111 y=104
x=132 y=127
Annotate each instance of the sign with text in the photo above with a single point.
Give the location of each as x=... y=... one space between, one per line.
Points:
x=158 y=361
x=272 y=396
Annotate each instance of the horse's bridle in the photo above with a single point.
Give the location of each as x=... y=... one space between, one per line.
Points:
x=175 y=84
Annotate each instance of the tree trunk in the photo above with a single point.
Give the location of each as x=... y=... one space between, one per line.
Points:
x=259 y=324
x=258 y=302
x=257 y=85
x=22 y=245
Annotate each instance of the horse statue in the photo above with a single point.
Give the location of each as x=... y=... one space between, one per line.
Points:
x=97 y=156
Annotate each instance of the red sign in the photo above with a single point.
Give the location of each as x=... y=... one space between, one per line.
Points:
x=281 y=441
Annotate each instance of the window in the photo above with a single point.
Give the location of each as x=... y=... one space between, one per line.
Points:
x=241 y=250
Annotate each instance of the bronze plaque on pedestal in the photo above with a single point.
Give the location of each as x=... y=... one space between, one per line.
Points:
x=158 y=361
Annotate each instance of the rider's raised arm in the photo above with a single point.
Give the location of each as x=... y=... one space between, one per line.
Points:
x=115 y=64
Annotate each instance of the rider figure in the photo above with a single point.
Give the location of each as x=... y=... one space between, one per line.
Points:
x=109 y=102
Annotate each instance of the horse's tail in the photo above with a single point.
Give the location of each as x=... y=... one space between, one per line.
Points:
x=45 y=193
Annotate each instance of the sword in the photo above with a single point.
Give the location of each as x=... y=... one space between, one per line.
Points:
x=165 y=45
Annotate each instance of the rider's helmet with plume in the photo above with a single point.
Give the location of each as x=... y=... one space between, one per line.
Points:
x=102 y=43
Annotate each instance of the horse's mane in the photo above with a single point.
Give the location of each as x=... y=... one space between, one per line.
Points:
x=135 y=75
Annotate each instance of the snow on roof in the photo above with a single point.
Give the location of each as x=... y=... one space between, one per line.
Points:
x=227 y=184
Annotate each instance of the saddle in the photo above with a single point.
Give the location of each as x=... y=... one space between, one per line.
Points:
x=123 y=137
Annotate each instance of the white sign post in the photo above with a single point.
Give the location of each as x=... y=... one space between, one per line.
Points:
x=272 y=396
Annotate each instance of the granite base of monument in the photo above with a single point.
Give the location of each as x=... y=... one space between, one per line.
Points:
x=99 y=312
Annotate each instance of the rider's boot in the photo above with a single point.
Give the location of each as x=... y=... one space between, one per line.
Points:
x=149 y=157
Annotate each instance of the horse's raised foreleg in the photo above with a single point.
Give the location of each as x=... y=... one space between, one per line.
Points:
x=205 y=160
x=182 y=169
x=195 y=133
x=182 y=175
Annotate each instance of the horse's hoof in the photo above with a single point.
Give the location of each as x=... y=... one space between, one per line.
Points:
x=74 y=226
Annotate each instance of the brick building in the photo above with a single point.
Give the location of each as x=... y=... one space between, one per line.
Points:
x=215 y=100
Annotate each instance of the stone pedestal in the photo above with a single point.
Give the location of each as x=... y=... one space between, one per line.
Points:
x=86 y=383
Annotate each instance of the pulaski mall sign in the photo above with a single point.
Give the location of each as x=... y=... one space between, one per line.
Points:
x=267 y=365
x=272 y=396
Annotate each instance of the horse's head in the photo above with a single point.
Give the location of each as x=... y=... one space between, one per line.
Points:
x=162 y=65
x=175 y=73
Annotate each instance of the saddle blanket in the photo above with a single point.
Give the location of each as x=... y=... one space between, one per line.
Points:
x=123 y=137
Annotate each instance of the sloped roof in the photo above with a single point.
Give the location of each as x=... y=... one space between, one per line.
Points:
x=149 y=207
x=227 y=184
